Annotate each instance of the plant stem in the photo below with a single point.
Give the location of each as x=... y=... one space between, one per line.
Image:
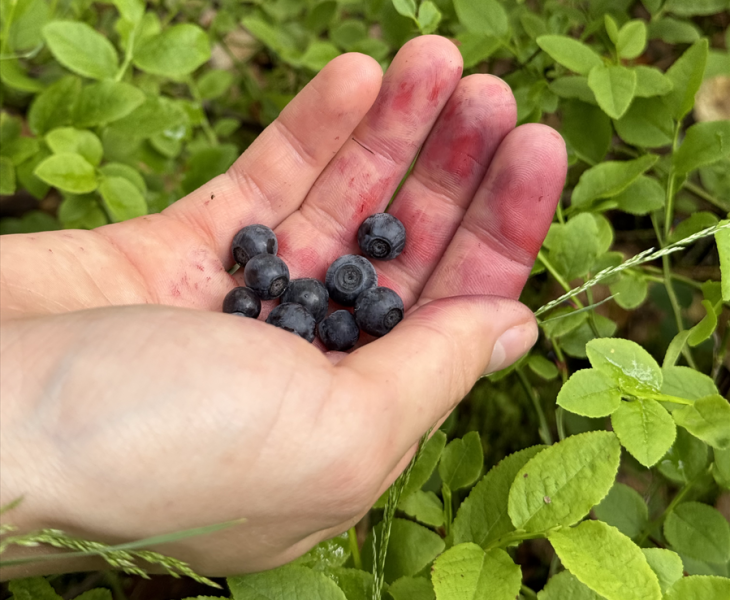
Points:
x=448 y=507
x=544 y=430
x=513 y=537
x=354 y=548
x=527 y=592
x=129 y=53
x=558 y=277
x=669 y=206
x=210 y=134
x=720 y=356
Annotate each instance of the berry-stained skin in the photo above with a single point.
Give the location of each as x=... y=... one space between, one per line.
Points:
x=378 y=310
x=339 y=331
x=294 y=318
x=348 y=277
x=252 y=240
x=116 y=393
x=311 y=294
x=242 y=301
x=267 y=275
x=381 y=237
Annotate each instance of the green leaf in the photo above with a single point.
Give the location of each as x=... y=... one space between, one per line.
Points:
x=722 y=238
x=27 y=177
x=275 y=38
x=542 y=367
x=467 y=572
x=589 y=393
x=694 y=223
x=20 y=149
x=570 y=53
x=131 y=10
x=623 y=509
x=32 y=588
x=81 y=49
x=686 y=76
x=318 y=54
x=642 y=197
x=68 y=172
x=687 y=8
x=106 y=101
x=482 y=16
x=575 y=247
x=610 y=178
x=708 y=419
x=574 y=343
x=705 y=328
x=79 y=141
x=721 y=470
x=651 y=82
x=462 y=461
x=153 y=116
x=13 y=75
x=285 y=583
x=483 y=516
x=561 y=484
x=81 y=212
x=674 y=31
x=699 y=531
x=699 y=587
x=407 y=8
x=429 y=17
x=645 y=429
x=320 y=16
x=704 y=144
x=97 y=594
x=606 y=561
x=213 y=84
x=614 y=88
x=666 y=565
x=685 y=460
x=647 y=123
x=565 y=586
x=587 y=129
x=425 y=465
x=611 y=27
x=573 y=86
x=631 y=40
x=627 y=363
x=122 y=198
x=327 y=554
x=410 y=549
x=7 y=177
x=425 y=507
x=687 y=383
x=121 y=170
x=208 y=163
x=533 y=24
x=54 y=106
x=175 y=52
x=411 y=588
x=356 y=584
x=630 y=290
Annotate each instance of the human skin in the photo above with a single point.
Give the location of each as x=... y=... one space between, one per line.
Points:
x=131 y=406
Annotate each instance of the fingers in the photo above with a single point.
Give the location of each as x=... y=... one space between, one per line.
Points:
x=496 y=244
x=440 y=350
x=272 y=178
x=366 y=172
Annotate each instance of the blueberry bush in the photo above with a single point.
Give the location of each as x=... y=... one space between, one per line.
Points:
x=598 y=466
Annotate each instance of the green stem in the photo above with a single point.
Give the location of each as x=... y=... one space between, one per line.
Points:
x=527 y=592
x=544 y=429
x=448 y=507
x=669 y=207
x=720 y=356
x=676 y=309
x=354 y=548
x=558 y=277
x=212 y=137
x=514 y=537
x=8 y=24
x=667 y=398
x=129 y=53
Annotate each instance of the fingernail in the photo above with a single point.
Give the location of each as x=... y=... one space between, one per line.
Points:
x=511 y=346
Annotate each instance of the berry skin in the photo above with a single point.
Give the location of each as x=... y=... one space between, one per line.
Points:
x=339 y=331
x=348 y=277
x=311 y=294
x=267 y=275
x=251 y=241
x=295 y=318
x=381 y=236
x=378 y=310
x=243 y=302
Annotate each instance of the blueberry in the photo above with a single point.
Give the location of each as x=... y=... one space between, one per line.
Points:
x=348 y=277
x=251 y=241
x=267 y=275
x=243 y=302
x=339 y=331
x=311 y=294
x=381 y=236
x=293 y=317
x=378 y=310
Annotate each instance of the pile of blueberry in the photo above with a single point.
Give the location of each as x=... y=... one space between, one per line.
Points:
x=350 y=281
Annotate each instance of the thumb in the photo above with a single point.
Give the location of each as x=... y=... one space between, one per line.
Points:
x=429 y=362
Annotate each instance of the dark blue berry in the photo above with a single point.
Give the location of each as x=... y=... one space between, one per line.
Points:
x=339 y=331
x=378 y=310
x=311 y=294
x=251 y=241
x=242 y=301
x=293 y=317
x=267 y=275
x=381 y=236
x=348 y=277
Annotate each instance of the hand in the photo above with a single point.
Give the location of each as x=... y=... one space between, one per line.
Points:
x=121 y=422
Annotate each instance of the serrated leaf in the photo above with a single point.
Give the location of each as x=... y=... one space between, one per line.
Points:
x=610 y=178
x=699 y=531
x=721 y=470
x=462 y=461
x=589 y=393
x=562 y=483
x=570 y=53
x=425 y=507
x=722 y=238
x=355 y=583
x=106 y=101
x=290 y=582
x=411 y=588
x=708 y=419
x=422 y=470
x=624 y=509
x=32 y=588
x=587 y=129
x=647 y=123
x=327 y=554
x=542 y=367
x=466 y=572
x=80 y=48
x=667 y=566
x=7 y=176
x=153 y=116
x=79 y=141
x=685 y=460
x=68 y=172
x=614 y=88
x=576 y=246
x=642 y=197
x=627 y=363
x=645 y=429
x=700 y=587
x=704 y=144
x=651 y=82
x=565 y=586
x=54 y=106
x=482 y=16
x=175 y=52
x=483 y=516
x=606 y=561
x=122 y=198
x=686 y=76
